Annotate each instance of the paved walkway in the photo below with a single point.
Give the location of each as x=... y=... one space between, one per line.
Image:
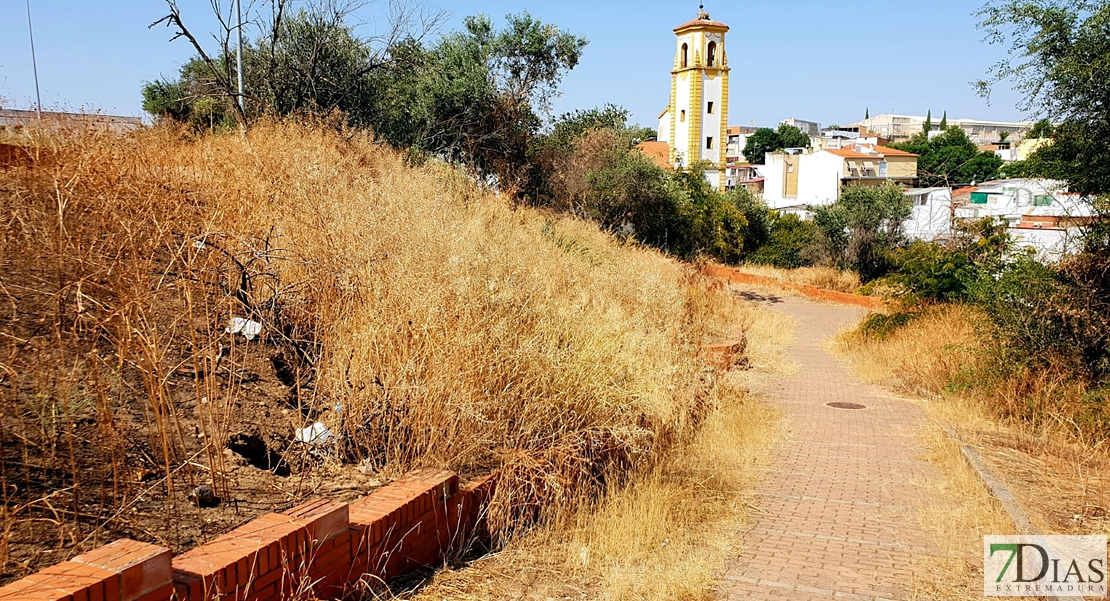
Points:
x=841 y=494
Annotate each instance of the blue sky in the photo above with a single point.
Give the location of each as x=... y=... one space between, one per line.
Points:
x=821 y=60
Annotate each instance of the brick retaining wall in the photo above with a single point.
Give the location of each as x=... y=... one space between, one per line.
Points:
x=844 y=298
x=323 y=549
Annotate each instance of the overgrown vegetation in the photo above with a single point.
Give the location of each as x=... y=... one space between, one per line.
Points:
x=417 y=317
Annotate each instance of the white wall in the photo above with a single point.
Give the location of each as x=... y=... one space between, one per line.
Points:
x=774 y=177
x=711 y=124
x=664 y=134
x=932 y=219
x=682 y=103
x=819 y=176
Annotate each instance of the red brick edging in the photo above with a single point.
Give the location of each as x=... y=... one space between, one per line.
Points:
x=844 y=298
x=324 y=549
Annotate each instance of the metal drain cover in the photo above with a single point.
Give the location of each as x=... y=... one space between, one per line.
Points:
x=839 y=405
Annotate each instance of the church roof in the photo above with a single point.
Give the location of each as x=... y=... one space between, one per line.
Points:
x=701 y=22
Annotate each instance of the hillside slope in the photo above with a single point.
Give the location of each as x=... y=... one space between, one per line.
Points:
x=419 y=319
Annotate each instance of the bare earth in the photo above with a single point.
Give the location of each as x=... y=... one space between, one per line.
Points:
x=838 y=512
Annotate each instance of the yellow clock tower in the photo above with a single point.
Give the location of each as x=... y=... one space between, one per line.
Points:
x=695 y=122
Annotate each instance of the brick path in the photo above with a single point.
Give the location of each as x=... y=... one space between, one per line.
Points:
x=842 y=489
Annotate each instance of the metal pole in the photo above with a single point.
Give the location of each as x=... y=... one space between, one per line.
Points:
x=239 y=51
x=34 y=63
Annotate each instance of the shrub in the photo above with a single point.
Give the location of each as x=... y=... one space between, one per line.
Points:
x=788 y=240
x=860 y=229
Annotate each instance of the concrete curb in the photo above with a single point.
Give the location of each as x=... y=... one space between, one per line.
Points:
x=999 y=491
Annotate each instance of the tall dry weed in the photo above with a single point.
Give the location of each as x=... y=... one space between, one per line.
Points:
x=422 y=319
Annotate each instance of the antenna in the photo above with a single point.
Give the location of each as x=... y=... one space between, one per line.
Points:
x=34 y=63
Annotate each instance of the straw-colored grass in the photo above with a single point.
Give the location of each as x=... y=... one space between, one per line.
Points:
x=669 y=535
x=828 y=278
x=671 y=532
x=427 y=322
x=1060 y=477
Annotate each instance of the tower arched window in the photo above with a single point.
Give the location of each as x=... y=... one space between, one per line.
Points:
x=711 y=55
x=685 y=55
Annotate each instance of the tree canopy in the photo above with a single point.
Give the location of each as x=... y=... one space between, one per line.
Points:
x=950 y=158
x=474 y=97
x=1058 y=52
x=766 y=140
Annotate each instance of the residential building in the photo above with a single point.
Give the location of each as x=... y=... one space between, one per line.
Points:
x=931 y=216
x=1040 y=213
x=737 y=140
x=743 y=175
x=803 y=177
x=809 y=128
x=899 y=128
x=695 y=122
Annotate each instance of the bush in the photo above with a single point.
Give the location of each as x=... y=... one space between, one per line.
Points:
x=788 y=241
x=928 y=272
x=860 y=230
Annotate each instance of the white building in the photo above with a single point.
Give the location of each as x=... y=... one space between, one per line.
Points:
x=809 y=128
x=898 y=128
x=1040 y=213
x=797 y=178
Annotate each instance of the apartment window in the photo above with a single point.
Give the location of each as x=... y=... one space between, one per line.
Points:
x=1043 y=200
x=685 y=55
x=709 y=143
x=682 y=116
x=711 y=55
x=710 y=107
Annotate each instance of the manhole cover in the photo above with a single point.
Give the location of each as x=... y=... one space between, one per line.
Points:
x=846 y=405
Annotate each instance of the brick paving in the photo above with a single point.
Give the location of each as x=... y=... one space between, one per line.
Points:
x=843 y=485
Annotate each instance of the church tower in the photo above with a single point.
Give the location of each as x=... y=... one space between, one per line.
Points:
x=695 y=124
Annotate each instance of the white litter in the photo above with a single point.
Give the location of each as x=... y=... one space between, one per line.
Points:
x=316 y=434
x=249 y=329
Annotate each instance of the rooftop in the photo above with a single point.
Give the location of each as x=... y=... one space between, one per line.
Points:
x=868 y=152
x=702 y=21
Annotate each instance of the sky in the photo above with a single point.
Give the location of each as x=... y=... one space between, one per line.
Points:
x=818 y=60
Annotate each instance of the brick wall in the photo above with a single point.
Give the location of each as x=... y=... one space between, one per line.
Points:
x=322 y=548
x=843 y=298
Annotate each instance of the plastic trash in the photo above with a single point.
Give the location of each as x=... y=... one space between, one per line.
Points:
x=316 y=434
x=249 y=329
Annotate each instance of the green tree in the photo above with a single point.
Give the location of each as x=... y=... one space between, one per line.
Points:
x=866 y=113
x=792 y=137
x=944 y=122
x=1058 y=52
x=788 y=241
x=1041 y=129
x=861 y=229
x=761 y=142
x=765 y=140
x=928 y=127
x=951 y=158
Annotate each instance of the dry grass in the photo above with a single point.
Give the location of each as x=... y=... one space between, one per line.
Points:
x=668 y=535
x=828 y=278
x=454 y=330
x=1060 y=476
x=670 y=532
x=920 y=357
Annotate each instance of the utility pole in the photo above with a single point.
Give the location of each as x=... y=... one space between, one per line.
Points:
x=34 y=63
x=238 y=51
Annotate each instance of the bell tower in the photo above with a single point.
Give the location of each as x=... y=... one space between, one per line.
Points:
x=695 y=123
